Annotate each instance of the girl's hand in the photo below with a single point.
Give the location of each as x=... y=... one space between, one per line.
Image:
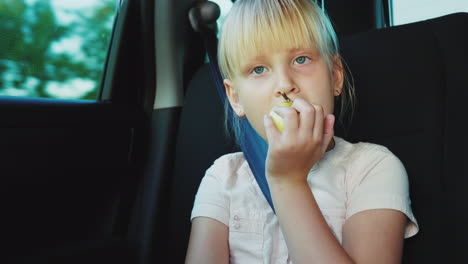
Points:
x=293 y=152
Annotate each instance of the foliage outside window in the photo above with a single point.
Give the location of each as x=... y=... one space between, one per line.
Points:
x=54 y=48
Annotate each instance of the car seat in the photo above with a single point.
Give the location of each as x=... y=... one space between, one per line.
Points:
x=408 y=81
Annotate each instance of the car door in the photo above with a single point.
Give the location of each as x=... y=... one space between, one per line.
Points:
x=70 y=167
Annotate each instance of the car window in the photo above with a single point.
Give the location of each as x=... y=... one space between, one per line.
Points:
x=408 y=11
x=225 y=6
x=54 y=48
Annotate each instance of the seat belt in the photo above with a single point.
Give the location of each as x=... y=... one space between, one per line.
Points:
x=251 y=143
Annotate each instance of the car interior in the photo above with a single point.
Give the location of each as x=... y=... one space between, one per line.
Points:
x=114 y=180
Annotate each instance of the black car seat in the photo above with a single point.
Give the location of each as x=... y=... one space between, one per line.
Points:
x=409 y=81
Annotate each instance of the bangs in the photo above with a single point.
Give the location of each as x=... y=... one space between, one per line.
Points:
x=259 y=27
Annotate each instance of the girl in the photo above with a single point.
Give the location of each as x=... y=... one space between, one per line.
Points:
x=335 y=202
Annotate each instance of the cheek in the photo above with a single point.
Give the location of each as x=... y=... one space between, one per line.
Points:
x=328 y=109
x=254 y=96
x=321 y=94
x=329 y=103
x=255 y=110
x=327 y=93
x=255 y=106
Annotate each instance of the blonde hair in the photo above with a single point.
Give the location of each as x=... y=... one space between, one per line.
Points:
x=258 y=26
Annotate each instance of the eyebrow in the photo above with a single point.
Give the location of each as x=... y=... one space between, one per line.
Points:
x=303 y=49
x=244 y=68
x=298 y=49
x=259 y=58
x=250 y=62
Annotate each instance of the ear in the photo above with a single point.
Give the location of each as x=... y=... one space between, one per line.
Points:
x=233 y=97
x=337 y=75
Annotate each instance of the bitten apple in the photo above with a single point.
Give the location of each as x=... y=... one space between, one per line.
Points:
x=277 y=119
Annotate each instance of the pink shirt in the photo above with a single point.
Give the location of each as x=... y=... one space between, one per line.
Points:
x=349 y=179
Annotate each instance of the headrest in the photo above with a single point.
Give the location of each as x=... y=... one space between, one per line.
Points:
x=203 y=14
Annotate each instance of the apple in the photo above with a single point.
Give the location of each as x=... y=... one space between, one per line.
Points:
x=277 y=119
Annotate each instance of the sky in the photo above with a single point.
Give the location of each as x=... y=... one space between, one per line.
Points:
x=407 y=11
x=224 y=5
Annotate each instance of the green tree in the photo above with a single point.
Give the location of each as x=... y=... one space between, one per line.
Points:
x=96 y=29
x=27 y=33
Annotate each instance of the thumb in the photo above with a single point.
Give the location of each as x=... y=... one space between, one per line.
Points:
x=328 y=131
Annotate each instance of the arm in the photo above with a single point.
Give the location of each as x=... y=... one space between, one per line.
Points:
x=291 y=155
x=306 y=232
x=208 y=242
x=372 y=236
x=375 y=236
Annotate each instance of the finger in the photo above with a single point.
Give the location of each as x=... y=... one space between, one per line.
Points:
x=290 y=119
x=270 y=129
x=328 y=131
x=306 y=115
x=318 y=126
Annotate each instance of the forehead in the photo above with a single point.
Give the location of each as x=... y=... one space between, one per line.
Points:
x=258 y=44
x=249 y=33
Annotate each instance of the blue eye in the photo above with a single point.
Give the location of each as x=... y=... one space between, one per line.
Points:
x=301 y=59
x=259 y=70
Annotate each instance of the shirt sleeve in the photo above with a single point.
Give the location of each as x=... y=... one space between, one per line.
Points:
x=210 y=200
x=381 y=182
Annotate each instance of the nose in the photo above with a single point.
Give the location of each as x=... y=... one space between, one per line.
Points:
x=285 y=84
